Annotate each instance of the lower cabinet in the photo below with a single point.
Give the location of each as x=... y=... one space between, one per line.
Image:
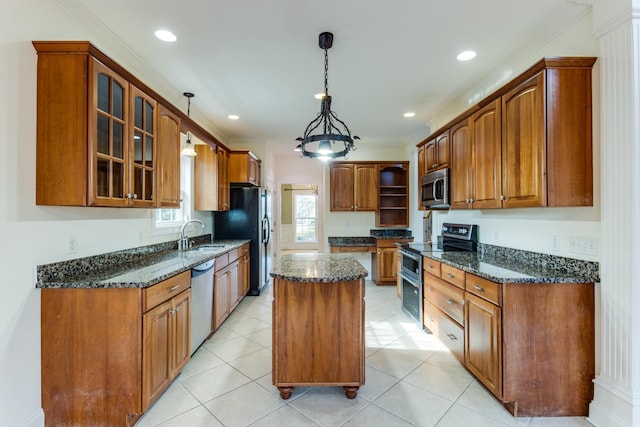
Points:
x=165 y=349
x=483 y=353
x=231 y=283
x=108 y=353
x=384 y=264
x=530 y=344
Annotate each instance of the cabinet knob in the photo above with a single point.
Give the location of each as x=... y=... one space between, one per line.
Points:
x=502 y=197
x=471 y=200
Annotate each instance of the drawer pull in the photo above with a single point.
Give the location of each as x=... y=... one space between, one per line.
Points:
x=450 y=276
x=429 y=266
x=452 y=337
x=430 y=289
x=450 y=302
x=478 y=288
x=173 y=288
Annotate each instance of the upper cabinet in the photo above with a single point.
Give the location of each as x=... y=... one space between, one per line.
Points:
x=354 y=186
x=244 y=167
x=168 y=158
x=211 y=183
x=529 y=144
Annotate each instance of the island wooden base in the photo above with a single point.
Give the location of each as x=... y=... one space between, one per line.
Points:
x=318 y=335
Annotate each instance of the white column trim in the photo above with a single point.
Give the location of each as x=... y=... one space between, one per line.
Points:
x=616 y=400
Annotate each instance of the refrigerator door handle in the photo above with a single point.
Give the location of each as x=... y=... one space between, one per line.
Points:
x=266 y=230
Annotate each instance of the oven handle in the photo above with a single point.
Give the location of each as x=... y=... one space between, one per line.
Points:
x=435 y=196
x=411 y=280
x=411 y=255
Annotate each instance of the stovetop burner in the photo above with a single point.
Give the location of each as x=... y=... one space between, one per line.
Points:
x=455 y=238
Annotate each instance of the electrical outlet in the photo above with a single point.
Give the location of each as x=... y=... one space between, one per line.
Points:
x=72 y=244
x=583 y=245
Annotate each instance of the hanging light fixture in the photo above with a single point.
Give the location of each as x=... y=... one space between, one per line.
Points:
x=333 y=138
x=187 y=149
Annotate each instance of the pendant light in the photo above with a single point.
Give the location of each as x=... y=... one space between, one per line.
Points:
x=187 y=149
x=333 y=138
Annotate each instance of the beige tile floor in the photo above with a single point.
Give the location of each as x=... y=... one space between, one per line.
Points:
x=411 y=380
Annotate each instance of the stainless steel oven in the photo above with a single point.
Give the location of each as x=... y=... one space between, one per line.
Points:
x=412 y=296
x=455 y=237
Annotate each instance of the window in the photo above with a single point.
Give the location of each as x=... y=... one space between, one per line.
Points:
x=166 y=221
x=305 y=217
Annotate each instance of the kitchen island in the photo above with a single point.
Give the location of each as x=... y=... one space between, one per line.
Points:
x=318 y=322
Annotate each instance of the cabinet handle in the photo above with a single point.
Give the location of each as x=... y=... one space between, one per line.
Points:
x=450 y=276
x=429 y=266
x=173 y=288
x=430 y=289
x=172 y=312
x=450 y=302
x=502 y=197
x=478 y=288
x=177 y=309
x=452 y=337
x=471 y=200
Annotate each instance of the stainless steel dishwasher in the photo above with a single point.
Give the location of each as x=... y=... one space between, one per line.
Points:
x=201 y=303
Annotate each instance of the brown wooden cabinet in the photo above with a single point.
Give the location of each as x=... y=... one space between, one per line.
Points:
x=529 y=144
x=93 y=118
x=244 y=167
x=325 y=344
x=91 y=336
x=393 y=209
x=483 y=342
x=436 y=153
x=224 y=195
x=231 y=283
x=168 y=158
x=165 y=349
x=476 y=154
x=211 y=185
x=384 y=262
x=523 y=341
x=353 y=186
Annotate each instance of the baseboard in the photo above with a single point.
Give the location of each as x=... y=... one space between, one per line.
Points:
x=37 y=420
x=612 y=408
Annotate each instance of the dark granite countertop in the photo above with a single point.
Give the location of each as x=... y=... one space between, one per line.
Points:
x=311 y=267
x=372 y=238
x=134 y=268
x=515 y=266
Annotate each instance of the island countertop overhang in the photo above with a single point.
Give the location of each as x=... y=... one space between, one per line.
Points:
x=312 y=267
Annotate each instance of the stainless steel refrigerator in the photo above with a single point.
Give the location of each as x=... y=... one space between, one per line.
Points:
x=246 y=220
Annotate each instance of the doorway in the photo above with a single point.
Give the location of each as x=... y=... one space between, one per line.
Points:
x=299 y=217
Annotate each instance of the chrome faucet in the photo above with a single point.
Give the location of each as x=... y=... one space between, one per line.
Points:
x=184 y=243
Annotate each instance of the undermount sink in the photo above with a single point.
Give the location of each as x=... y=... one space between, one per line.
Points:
x=207 y=247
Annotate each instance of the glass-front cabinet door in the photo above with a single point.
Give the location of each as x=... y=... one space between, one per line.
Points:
x=143 y=149
x=108 y=123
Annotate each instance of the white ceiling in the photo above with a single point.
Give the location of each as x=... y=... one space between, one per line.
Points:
x=260 y=59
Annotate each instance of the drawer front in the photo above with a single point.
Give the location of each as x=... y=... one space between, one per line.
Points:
x=165 y=290
x=446 y=297
x=243 y=250
x=431 y=266
x=233 y=255
x=222 y=261
x=352 y=249
x=484 y=288
x=452 y=275
x=430 y=316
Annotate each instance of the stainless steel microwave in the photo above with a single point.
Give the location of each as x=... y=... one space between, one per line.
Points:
x=434 y=189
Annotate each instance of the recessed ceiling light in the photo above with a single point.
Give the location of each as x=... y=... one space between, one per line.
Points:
x=466 y=55
x=409 y=114
x=166 y=36
x=318 y=95
x=233 y=117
